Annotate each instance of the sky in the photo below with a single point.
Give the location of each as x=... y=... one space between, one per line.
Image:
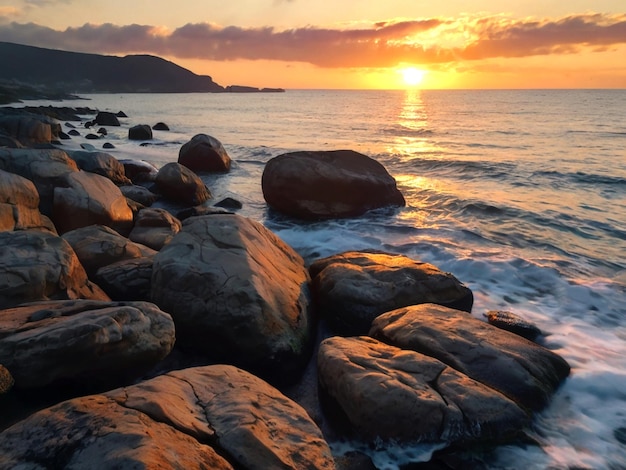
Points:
x=346 y=44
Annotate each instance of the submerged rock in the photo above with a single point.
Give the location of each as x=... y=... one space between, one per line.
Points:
x=324 y=185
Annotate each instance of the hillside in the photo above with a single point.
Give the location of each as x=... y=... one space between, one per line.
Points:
x=75 y=72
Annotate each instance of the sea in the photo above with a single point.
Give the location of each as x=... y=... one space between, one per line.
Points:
x=520 y=194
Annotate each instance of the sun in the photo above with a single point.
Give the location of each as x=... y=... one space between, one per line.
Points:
x=413 y=76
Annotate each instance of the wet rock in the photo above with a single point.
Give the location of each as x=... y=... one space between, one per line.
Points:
x=229 y=203
x=140 y=132
x=324 y=185
x=510 y=322
x=180 y=184
x=74 y=133
x=161 y=126
x=204 y=153
x=139 y=171
x=105 y=118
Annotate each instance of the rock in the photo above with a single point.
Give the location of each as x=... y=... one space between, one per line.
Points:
x=97 y=246
x=102 y=131
x=391 y=394
x=121 y=114
x=92 y=136
x=100 y=163
x=28 y=130
x=199 y=211
x=139 y=171
x=64 y=136
x=6 y=380
x=74 y=133
x=88 y=199
x=522 y=370
x=83 y=341
x=229 y=203
x=19 y=203
x=161 y=126
x=324 y=185
x=9 y=141
x=41 y=266
x=354 y=287
x=237 y=293
x=47 y=169
x=69 y=125
x=180 y=184
x=129 y=279
x=108 y=145
x=105 y=118
x=140 y=132
x=204 y=153
x=139 y=194
x=510 y=322
x=171 y=422
x=154 y=228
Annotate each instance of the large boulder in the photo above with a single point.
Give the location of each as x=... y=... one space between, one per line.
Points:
x=237 y=293
x=46 y=168
x=28 y=130
x=41 y=266
x=154 y=228
x=87 y=199
x=388 y=393
x=19 y=203
x=183 y=419
x=97 y=246
x=354 y=287
x=139 y=171
x=100 y=163
x=180 y=184
x=328 y=184
x=204 y=153
x=522 y=370
x=140 y=132
x=129 y=279
x=82 y=341
x=106 y=118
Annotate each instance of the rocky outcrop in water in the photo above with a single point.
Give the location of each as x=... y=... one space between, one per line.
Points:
x=204 y=153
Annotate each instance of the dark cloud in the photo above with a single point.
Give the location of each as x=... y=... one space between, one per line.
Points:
x=382 y=44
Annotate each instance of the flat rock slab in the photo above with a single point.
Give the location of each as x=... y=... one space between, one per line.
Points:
x=182 y=419
x=393 y=394
x=82 y=340
x=522 y=370
x=354 y=287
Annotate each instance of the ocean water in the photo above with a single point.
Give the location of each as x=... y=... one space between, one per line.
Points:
x=520 y=194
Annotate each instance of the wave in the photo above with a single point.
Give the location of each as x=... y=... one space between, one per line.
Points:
x=580 y=177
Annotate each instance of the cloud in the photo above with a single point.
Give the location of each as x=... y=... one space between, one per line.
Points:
x=381 y=44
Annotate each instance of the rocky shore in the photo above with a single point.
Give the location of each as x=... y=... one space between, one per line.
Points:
x=144 y=324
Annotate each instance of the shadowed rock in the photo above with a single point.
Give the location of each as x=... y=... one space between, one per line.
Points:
x=129 y=279
x=180 y=184
x=100 y=163
x=139 y=171
x=106 y=118
x=323 y=185
x=6 y=380
x=510 y=322
x=140 y=132
x=204 y=153
x=354 y=287
x=139 y=194
x=28 y=130
x=154 y=228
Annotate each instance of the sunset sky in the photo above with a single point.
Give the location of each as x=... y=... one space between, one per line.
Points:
x=346 y=43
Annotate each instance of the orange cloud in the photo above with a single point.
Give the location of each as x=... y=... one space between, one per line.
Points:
x=382 y=44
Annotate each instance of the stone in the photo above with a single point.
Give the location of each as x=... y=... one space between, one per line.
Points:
x=354 y=287
x=74 y=133
x=510 y=322
x=87 y=199
x=139 y=194
x=236 y=293
x=387 y=393
x=229 y=203
x=180 y=184
x=183 y=419
x=140 y=132
x=204 y=153
x=19 y=203
x=41 y=266
x=154 y=228
x=327 y=184
x=6 y=380
x=97 y=246
x=139 y=170
x=28 y=130
x=522 y=370
x=129 y=279
x=105 y=118
x=100 y=163
x=161 y=126
x=83 y=341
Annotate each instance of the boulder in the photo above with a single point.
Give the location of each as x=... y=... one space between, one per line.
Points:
x=388 y=393
x=180 y=184
x=41 y=266
x=97 y=246
x=88 y=199
x=161 y=126
x=83 y=341
x=183 y=419
x=510 y=322
x=324 y=185
x=140 y=132
x=74 y=133
x=520 y=369
x=154 y=228
x=105 y=118
x=28 y=130
x=129 y=279
x=139 y=171
x=100 y=163
x=204 y=153
x=19 y=203
x=237 y=293
x=354 y=287
x=139 y=194
x=45 y=168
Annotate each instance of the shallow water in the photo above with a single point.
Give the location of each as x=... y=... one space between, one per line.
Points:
x=520 y=194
